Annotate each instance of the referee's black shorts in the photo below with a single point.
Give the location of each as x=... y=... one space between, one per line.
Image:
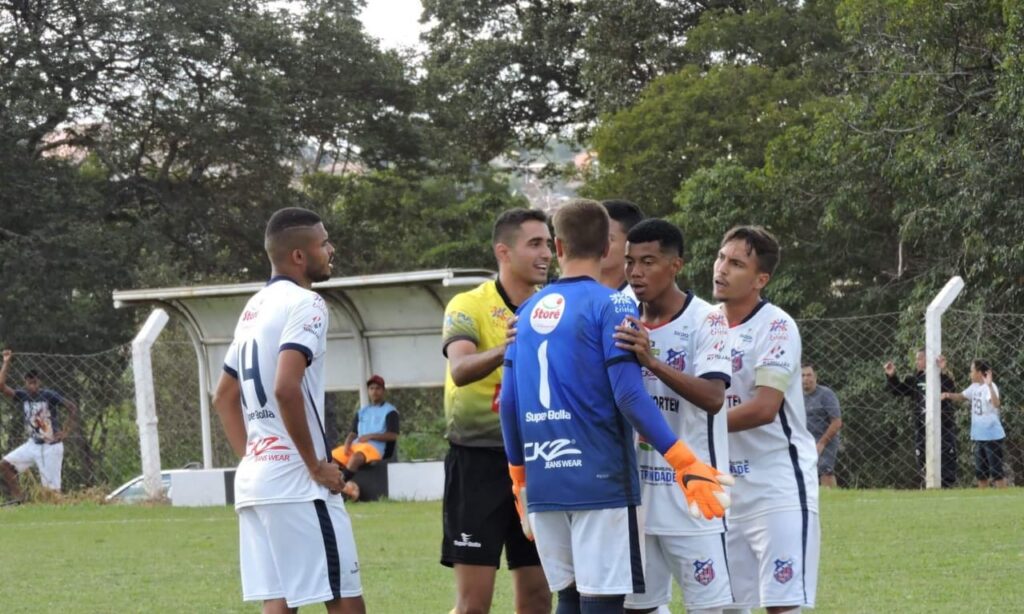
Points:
x=480 y=515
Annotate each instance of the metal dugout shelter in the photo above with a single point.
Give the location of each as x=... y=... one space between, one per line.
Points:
x=388 y=324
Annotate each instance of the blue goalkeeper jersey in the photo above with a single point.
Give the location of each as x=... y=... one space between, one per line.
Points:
x=564 y=424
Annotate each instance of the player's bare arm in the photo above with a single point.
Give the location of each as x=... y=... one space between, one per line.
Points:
x=349 y=440
x=706 y=394
x=758 y=411
x=7 y=390
x=227 y=400
x=830 y=432
x=952 y=396
x=987 y=380
x=291 y=365
x=468 y=365
x=385 y=437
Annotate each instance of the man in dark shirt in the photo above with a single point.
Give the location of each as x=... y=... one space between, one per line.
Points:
x=913 y=386
x=45 y=446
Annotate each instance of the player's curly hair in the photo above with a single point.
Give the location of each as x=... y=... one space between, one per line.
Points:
x=667 y=234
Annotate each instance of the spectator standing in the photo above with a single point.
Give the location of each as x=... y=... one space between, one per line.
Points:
x=824 y=420
x=913 y=386
x=45 y=445
x=986 y=429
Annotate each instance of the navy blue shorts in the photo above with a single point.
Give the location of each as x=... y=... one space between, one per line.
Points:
x=988 y=460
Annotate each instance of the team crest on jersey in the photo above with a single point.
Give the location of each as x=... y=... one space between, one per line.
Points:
x=737 y=360
x=778 y=330
x=676 y=360
x=783 y=570
x=704 y=571
x=623 y=304
x=500 y=313
x=547 y=313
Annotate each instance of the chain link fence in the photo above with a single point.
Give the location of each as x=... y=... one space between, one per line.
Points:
x=877 y=439
x=877 y=445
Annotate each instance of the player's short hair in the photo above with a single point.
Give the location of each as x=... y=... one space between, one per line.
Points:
x=31 y=374
x=981 y=366
x=807 y=365
x=277 y=239
x=667 y=235
x=627 y=214
x=760 y=242
x=507 y=226
x=582 y=226
x=290 y=217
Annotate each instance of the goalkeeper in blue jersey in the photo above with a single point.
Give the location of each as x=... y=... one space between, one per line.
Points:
x=569 y=402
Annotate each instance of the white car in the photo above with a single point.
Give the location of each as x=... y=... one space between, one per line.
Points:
x=134 y=490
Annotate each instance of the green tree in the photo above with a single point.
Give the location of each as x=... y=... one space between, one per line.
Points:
x=407 y=220
x=502 y=73
x=140 y=141
x=687 y=121
x=902 y=180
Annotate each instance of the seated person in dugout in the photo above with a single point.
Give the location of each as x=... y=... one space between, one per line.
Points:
x=373 y=433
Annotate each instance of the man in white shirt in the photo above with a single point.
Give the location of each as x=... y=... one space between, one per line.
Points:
x=296 y=544
x=681 y=343
x=774 y=536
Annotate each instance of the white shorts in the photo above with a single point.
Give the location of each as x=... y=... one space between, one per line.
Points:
x=697 y=562
x=48 y=457
x=302 y=552
x=599 y=550
x=773 y=559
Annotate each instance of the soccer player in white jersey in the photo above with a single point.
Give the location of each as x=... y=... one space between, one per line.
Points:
x=623 y=216
x=681 y=343
x=774 y=538
x=296 y=544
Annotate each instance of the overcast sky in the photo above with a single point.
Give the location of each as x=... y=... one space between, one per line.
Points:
x=394 y=22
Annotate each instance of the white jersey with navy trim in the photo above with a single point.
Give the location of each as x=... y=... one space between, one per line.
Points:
x=281 y=316
x=628 y=291
x=775 y=465
x=695 y=342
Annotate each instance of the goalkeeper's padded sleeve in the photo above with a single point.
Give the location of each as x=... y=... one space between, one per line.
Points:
x=635 y=403
x=508 y=413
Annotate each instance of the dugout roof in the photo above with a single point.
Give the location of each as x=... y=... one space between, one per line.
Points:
x=388 y=324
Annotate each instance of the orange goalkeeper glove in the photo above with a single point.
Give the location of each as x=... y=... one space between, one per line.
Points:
x=518 y=475
x=701 y=483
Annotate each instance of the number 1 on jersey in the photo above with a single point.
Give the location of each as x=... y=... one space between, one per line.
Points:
x=545 y=387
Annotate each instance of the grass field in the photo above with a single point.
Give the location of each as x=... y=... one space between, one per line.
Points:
x=883 y=551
